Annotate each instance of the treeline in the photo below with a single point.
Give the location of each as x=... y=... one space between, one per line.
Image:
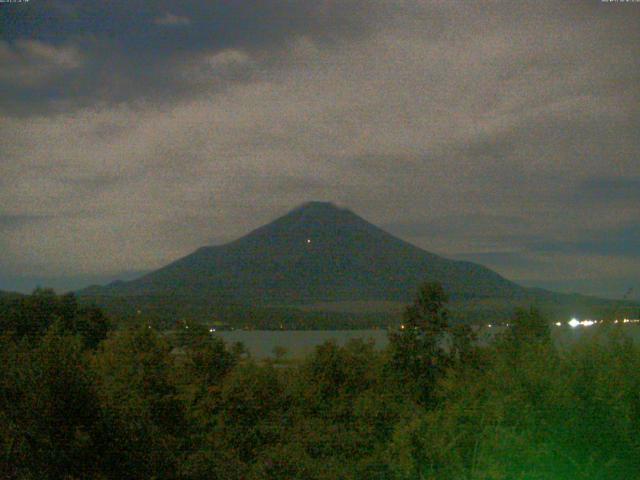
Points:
x=78 y=400
x=165 y=312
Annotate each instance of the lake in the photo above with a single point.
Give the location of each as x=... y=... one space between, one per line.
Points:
x=261 y=343
x=297 y=342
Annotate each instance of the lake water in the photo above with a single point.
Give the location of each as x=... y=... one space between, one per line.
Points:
x=261 y=343
x=297 y=342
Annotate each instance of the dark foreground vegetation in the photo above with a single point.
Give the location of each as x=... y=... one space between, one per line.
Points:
x=79 y=400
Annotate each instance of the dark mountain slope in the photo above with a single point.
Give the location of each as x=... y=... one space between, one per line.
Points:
x=315 y=253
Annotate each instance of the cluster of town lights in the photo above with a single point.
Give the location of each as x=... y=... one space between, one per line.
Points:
x=574 y=322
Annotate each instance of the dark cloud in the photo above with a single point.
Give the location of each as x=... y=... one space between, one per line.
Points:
x=8 y=221
x=457 y=225
x=171 y=20
x=621 y=242
x=617 y=288
x=500 y=260
x=610 y=190
x=218 y=23
x=128 y=46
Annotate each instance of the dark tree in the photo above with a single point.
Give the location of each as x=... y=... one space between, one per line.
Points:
x=418 y=353
x=529 y=327
x=428 y=313
x=48 y=410
x=32 y=315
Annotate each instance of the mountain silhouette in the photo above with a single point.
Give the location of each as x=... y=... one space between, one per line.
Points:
x=317 y=252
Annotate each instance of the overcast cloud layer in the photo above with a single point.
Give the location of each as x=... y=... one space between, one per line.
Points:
x=504 y=133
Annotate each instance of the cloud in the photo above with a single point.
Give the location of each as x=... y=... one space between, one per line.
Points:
x=611 y=190
x=622 y=242
x=215 y=70
x=30 y=62
x=171 y=20
x=9 y=221
x=469 y=131
x=617 y=288
x=133 y=61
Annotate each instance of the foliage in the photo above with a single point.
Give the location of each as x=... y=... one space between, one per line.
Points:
x=49 y=417
x=528 y=326
x=426 y=346
x=30 y=317
x=434 y=405
x=134 y=382
x=530 y=412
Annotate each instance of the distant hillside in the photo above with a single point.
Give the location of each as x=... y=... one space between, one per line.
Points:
x=4 y=294
x=317 y=254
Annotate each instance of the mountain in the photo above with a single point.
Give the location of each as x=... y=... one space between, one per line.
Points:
x=317 y=254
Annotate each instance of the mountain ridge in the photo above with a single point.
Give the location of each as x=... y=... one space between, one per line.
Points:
x=314 y=244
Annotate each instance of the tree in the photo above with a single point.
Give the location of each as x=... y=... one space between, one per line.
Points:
x=30 y=317
x=528 y=327
x=91 y=324
x=428 y=313
x=49 y=416
x=144 y=417
x=251 y=414
x=418 y=352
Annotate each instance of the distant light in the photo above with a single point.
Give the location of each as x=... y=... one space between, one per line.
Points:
x=401 y=327
x=489 y=325
x=212 y=330
x=558 y=324
x=308 y=240
x=574 y=323
x=587 y=323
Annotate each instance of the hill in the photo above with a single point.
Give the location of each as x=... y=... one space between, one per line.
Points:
x=316 y=258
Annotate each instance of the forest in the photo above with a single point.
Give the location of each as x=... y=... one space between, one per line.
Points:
x=82 y=397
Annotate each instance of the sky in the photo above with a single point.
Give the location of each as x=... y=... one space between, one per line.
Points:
x=501 y=132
